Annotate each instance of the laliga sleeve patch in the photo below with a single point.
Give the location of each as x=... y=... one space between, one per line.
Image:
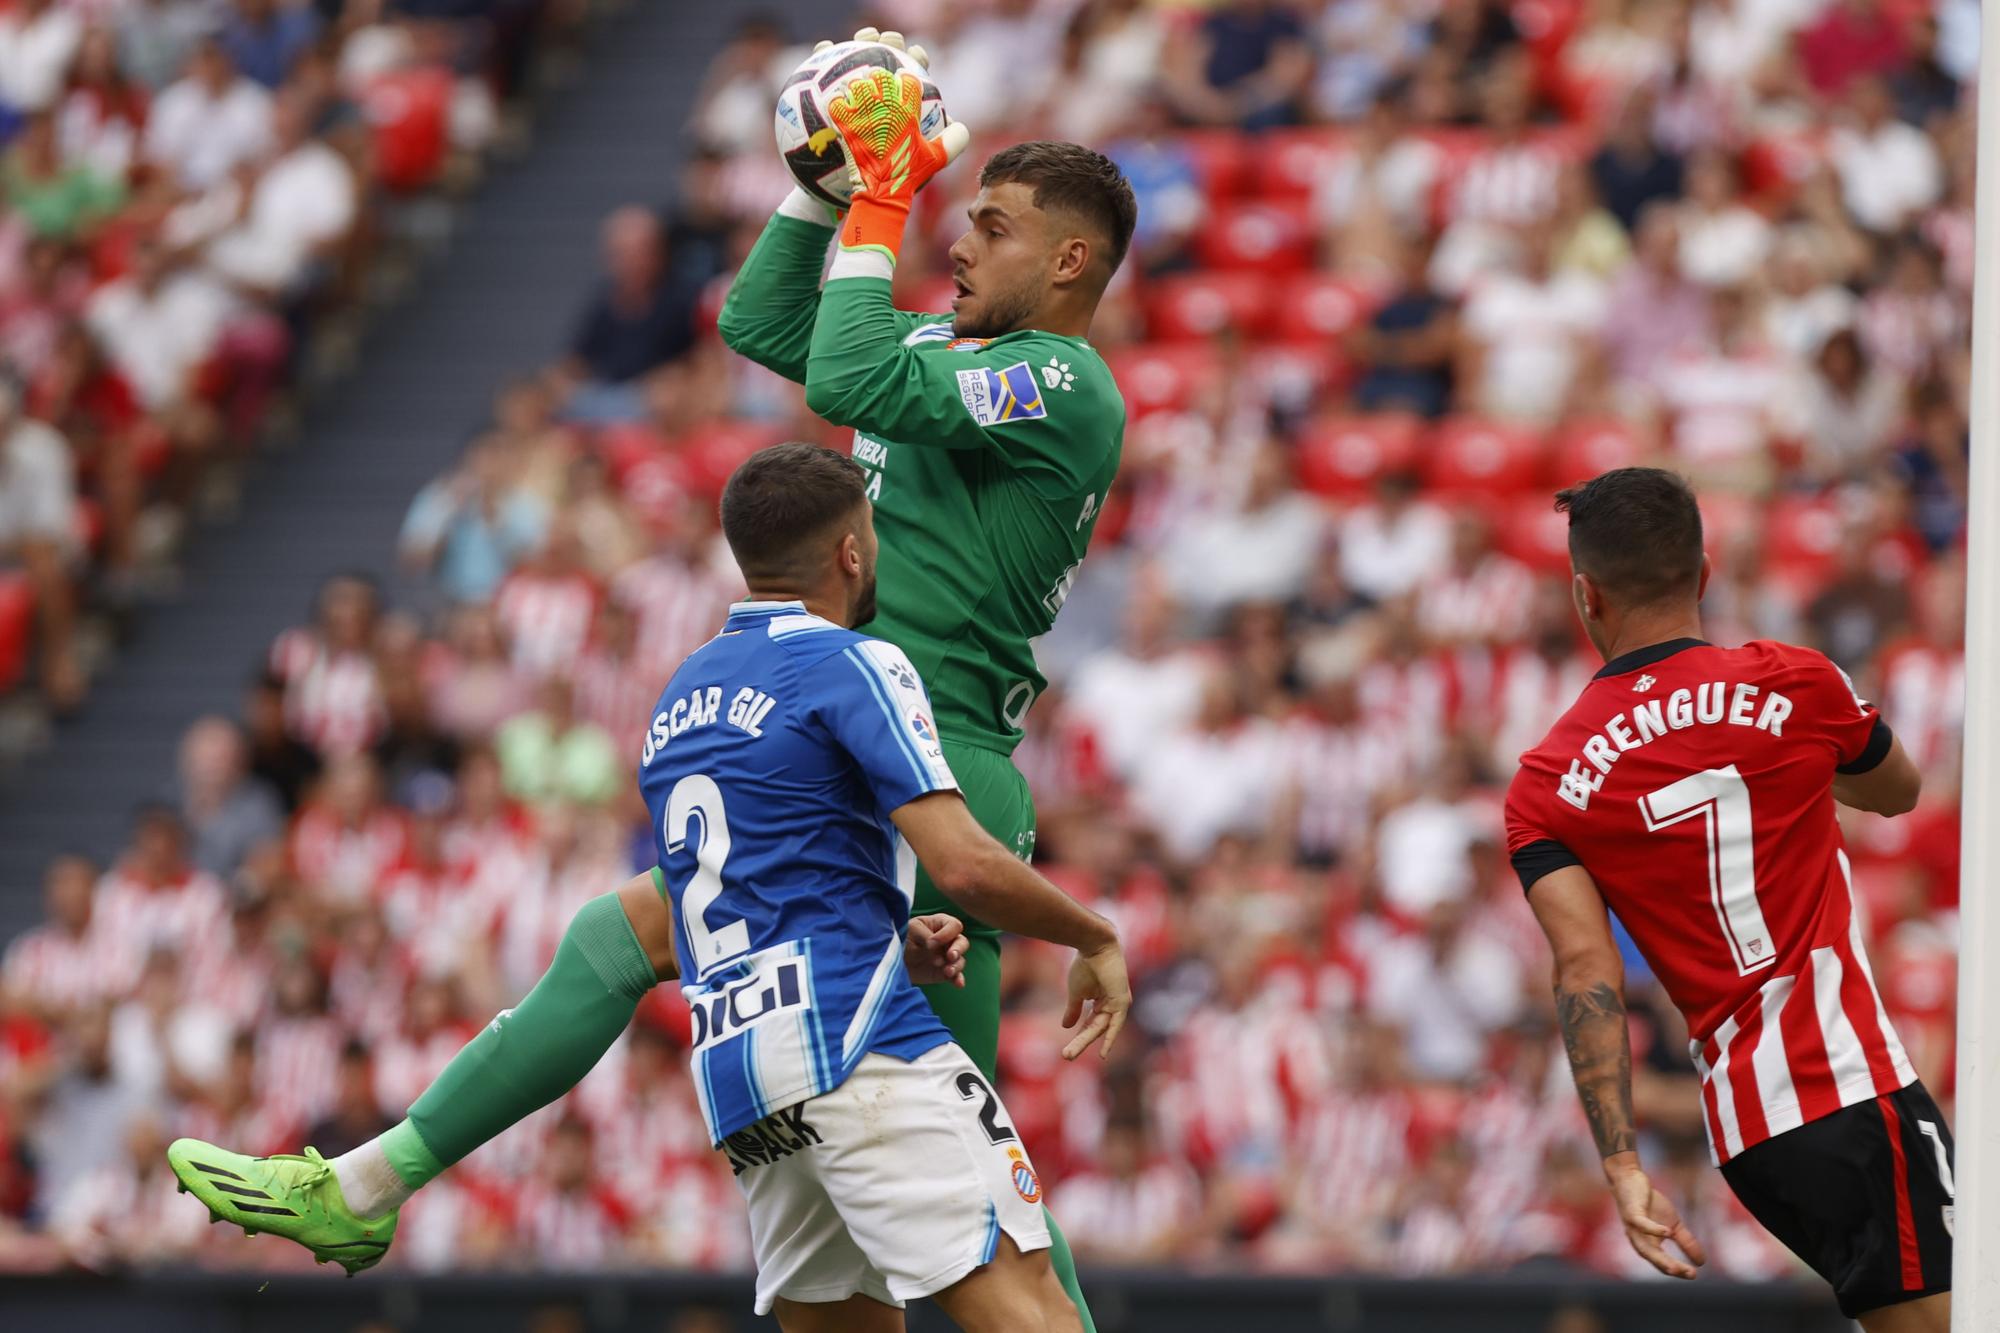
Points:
x=997 y=396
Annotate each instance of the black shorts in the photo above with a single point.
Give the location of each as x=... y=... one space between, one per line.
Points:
x=1864 y=1196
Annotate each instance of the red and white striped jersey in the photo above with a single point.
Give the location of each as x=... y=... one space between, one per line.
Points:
x=1924 y=686
x=53 y=970
x=136 y=917
x=1692 y=783
x=333 y=700
x=547 y=618
x=679 y=605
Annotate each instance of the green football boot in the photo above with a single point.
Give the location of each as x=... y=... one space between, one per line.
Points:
x=296 y=1197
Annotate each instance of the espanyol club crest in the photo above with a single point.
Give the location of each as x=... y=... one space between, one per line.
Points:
x=1026 y=1183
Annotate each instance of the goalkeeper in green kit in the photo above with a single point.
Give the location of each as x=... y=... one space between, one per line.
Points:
x=990 y=435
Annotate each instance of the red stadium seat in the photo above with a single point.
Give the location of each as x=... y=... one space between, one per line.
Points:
x=17 y=618
x=1802 y=534
x=1268 y=237
x=1160 y=377
x=1583 y=449
x=1344 y=456
x=1530 y=530
x=1201 y=305
x=709 y=453
x=410 y=110
x=1467 y=457
x=1320 y=305
x=1221 y=159
x=1290 y=164
x=1778 y=163
x=1298 y=372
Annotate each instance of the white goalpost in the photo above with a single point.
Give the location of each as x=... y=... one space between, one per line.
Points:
x=1976 y=1262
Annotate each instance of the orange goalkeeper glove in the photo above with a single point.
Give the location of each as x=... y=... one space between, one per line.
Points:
x=879 y=116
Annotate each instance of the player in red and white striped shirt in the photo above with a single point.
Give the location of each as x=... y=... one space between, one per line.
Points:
x=1691 y=790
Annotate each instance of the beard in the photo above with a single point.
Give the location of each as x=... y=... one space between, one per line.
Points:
x=864 y=605
x=1002 y=312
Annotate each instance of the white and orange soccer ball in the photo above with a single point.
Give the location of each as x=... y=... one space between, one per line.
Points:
x=807 y=140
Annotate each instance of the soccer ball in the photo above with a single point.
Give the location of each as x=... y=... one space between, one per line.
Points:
x=807 y=140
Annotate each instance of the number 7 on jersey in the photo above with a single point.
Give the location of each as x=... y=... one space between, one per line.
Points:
x=1720 y=798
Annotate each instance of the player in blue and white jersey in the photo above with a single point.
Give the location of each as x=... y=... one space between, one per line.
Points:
x=795 y=780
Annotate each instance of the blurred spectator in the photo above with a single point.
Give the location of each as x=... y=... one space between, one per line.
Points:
x=1848 y=410
x=163 y=1043
x=101 y=117
x=567 y=1215
x=470 y=526
x=1908 y=319
x=1803 y=308
x=1246 y=65
x=1861 y=606
x=347 y=837
x=1165 y=182
x=1652 y=311
x=1631 y=170
x=1258 y=549
x=1143 y=690
x=156 y=37
x=160 y=324
x=129 y=1213
x=639 y=318
x=1408 y=345
x=546 y=606
x=228 y=811
x=333 y=695
x=1390 y=546
x=38 y=43
x=356 y=1116
x=58 y=197
x=63 y=965
x=1722 y=239
x=1889 y=171
x=288 y=214
x=38 y=533
x=614 y=689
x=209 y=122
x=154 y=897
x=1215 y=779
x=1726 y=399
x=1447 y=988
x=264 y=37
x=1128 y=1206
x=1528 y=336
x=277 y=758
x=83 y=1112
x=1850 y=39
x=547 y=753
x=1481 y=596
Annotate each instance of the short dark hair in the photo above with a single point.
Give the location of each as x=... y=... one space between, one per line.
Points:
x=1073 y=179
x=781 y=500
x=1636 y=531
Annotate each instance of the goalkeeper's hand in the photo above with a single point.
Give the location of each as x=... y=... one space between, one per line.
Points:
x=808 y=207
x=879 y=117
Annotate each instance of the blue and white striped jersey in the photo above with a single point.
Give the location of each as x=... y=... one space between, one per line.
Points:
x=774 y=759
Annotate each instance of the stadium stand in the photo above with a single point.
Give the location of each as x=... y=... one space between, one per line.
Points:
x=1403 y=269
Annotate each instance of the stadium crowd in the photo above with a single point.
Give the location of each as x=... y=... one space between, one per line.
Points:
x=190 y=192
x=1402 y=269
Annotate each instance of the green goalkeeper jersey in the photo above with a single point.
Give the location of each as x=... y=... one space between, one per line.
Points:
x=988 y=461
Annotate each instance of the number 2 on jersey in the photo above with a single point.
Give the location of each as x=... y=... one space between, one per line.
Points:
x=1720 y=798
x=695 y=795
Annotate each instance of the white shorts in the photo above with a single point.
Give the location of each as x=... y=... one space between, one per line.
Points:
x=896 y=1184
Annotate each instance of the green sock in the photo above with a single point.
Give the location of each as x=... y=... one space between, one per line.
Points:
x=533 y=1053
x=1065 y=1265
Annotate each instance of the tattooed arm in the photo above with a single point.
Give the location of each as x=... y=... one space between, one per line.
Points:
x=1590 y=1007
